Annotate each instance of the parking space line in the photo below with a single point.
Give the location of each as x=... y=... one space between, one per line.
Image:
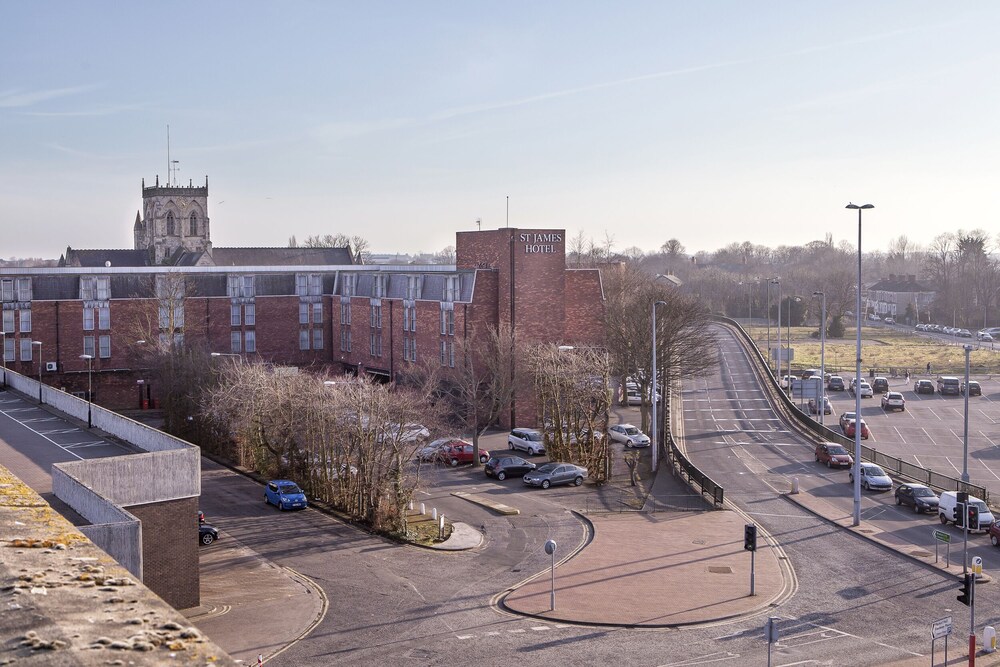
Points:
x=988 y=468
x=988 y=439
x=41 y=435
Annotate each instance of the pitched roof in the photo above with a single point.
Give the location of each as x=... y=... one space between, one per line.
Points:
x=896 y=283
x=281 y=256
x=105 y=257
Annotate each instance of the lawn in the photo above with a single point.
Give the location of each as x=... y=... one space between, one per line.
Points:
x=888 y=351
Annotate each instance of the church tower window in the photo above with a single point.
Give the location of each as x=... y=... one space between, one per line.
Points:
x=194 y=224
x=171 y=230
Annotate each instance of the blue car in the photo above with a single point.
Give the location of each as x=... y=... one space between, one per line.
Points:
x=285 y=494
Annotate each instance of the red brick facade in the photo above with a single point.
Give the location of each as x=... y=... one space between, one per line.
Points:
x=169 y=539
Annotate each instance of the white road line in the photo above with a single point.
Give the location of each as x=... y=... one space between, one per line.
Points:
x=917 y=460
x=988 y=438
x=40 y=435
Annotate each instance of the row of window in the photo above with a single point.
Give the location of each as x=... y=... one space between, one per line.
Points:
x=95 y=346
x=173 y=228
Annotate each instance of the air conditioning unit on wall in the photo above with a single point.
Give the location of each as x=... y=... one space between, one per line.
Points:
x=51 y=366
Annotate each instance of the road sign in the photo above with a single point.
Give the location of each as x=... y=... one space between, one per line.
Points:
x=941 y=627
x=942 y=536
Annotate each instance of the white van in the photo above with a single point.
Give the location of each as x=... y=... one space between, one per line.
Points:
x=946 y=511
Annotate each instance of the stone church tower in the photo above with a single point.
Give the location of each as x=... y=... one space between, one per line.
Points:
x=174 y=220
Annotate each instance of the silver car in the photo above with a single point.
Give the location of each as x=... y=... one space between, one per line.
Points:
x=628 y=434
x=551 y=474
x=873 y=478
x=526 y=440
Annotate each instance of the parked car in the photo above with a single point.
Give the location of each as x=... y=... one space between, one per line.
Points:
x=526 y=440
x=974 y=388
x=984 y=336
x=964 y=333
x=551 y=474
x=863 y=388
x=873 y=477
x=921 y=497
x=923 y=387
x=849 y=430
x=284 y=494
x=921 y=327
x=846 y=418
x=502 y=467
x=207 y=534
x=889 y=320
x=880 y=385
x=946 y=511
x=629 y=435
x=429 y=451
x=947 y=384
x=833 y=455
x=809 y=372
x=893 y=400
x=814 y=406
x=835 y=383
x=201 y=517
x=994 y=532
x=459 y=451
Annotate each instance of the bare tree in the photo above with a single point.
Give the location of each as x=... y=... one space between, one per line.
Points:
x=358 y=244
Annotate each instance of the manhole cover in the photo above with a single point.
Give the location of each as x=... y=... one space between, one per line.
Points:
x=720 y=569
x=866 y=531
x=698 y=541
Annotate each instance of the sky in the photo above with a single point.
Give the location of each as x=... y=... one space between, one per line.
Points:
x=404 y=122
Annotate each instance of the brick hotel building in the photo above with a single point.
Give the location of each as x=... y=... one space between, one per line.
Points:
x=286 y=306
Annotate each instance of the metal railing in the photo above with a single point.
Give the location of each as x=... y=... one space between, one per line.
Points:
x=693 y=475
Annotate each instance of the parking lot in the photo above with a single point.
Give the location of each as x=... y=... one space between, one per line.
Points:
x=929 y=432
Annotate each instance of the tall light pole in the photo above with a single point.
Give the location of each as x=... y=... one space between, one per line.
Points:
x=857 y=379
x=3 y=355
x=768 y=323
x=965 y=430
x=822 y=357
x=777 y=282
x=655 y=430
x=90 y=387
x=39 y=344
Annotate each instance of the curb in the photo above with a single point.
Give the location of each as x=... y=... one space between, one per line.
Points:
x=477 y=499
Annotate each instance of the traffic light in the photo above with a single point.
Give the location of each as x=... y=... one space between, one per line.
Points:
x=972 y=512
x=750 y=537
x=968 y=590
x=957 y=512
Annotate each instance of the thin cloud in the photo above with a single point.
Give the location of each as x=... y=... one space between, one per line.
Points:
x=11 y=99
x=105 y=111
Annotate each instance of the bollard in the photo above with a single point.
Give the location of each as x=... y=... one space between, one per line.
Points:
x=411 y=504
x=441 y=527
x=423 y=509
x=434 y=513
x=977 y=567
x=795 y=485
x=989 y=639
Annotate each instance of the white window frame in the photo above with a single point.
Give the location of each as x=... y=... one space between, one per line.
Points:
x=8 y=348
x=26 y=352
x=251 y=340
x=250 y=315
x=89 y=319
x=7 y=289
x=236 y=342
x=317 y=312
x=303 y=312
x=235 y=315
x=303 y=339
x=317 y=339
x=104 y=347
x=104 y=318
x=89 y=346
x=24 y=320
x=103 y=288
x=24 y=289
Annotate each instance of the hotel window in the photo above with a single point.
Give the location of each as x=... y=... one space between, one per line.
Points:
x=380 y=288
x=24 y=289
x=104 y=318
x=240 y=286
x=235 y=317
x=103 y=288
x=349 y=283
x=25 y=349
x=7 y=289
x=412 y=287
x=88 y=319
x=317 y=339
x=376 y=343
x=308 y=284
x=447 y=354
x=301 y=284
x=235 y=341
x=317 y=313
x=376 y=314
x=105 y=346
x=25 y=319
x=345 y=340
x=251 y=340
x=409 y=317
x=303 y=313
x=250 y=314
x=88 y=288
x=8 y=349
x=345 y=310
x=303 y=339
x=8 y=321
x=451 y=288
x=447 y=320
x=88 y=346
x=410 y=349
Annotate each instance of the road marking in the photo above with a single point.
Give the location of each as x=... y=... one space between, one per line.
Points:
x=706 y=659
x=41 y=435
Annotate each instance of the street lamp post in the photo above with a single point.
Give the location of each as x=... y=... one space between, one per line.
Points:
x=778 y=364
x=768 y=318
x=655 y=426
x=90 y=387
x=965 y=430
x=822 y=358
x=3 y=355
x=857 y=379
x=39 y=344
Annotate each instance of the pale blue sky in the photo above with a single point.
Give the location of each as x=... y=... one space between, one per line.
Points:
x=710 y=122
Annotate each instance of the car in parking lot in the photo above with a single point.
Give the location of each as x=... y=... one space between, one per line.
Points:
x=835 y=383
x=889 y=320
x=994 y=533
x=849 y=429
x=833 y=455
x=873 y=477
x=923 y=387
x=974 y=388
x=946 y=384
x=880 y=385
x=629 y=435
x=984 y=336
x=919 y=496
x=947 y=503
x=963 y=333
x=813 y=406
x=503 y=466
x=554 y=473
x=429 y=451
x=526 y=440
x=207 y=534
x=862 y=387
x=893 y=400
x=458 y=451
x=285 y=495
x=846 y=418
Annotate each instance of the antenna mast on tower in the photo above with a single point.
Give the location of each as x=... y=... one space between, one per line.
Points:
x=171 y=164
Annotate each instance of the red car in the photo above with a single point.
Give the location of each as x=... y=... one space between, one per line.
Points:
x=456 y=452
x=849 y=429
x=833 y=455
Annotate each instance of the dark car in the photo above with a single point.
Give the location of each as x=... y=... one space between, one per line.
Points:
x=551 y=474
x=923 y=387
x=921 y=497
x=814 y=406
x=836 y=383
x=503 y=467
x=947 y=384
x=974 y=388
x=833 y=455
x=994 y=533
x=207 y=534
x=880 y=385
x=284 y=494
x=201 y=517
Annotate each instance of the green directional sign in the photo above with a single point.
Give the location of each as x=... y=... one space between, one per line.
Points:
x=942 y=536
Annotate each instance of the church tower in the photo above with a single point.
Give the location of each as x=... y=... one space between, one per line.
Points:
x=174 y=220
